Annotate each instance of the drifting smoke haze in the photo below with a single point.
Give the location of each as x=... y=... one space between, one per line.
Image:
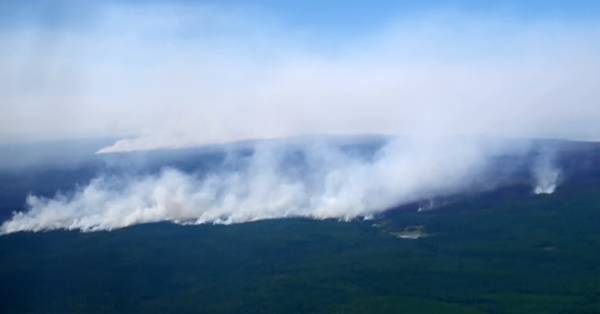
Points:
x=179 y=75
x=174 y=76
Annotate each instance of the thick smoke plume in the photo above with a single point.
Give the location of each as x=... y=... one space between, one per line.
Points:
x=201 y=74
x=316 y=180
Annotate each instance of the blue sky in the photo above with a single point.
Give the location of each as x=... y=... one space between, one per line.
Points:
x=337 y=16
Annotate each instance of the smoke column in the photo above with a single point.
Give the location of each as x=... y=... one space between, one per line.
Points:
x=546 y=174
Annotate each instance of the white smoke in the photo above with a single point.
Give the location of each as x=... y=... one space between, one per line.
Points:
x=546 y=174
x=331 y=183
x=200 y=75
